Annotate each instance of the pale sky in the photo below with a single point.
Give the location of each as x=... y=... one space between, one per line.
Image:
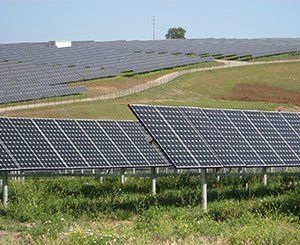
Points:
x=43 y=20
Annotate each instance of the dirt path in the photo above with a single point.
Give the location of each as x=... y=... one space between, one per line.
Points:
x=139 y=88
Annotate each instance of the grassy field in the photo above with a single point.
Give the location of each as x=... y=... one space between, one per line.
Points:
x=81 y=210
x=279 y=86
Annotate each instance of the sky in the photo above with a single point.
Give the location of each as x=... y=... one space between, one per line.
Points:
x=103 y=20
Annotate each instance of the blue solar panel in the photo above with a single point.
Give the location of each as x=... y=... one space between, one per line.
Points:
x=6 y=161
x=104 y=143
x=293 y=120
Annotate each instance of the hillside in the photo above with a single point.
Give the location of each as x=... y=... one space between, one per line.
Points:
x=264 y=87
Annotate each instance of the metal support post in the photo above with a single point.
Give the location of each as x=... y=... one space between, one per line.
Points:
x=123 y=177
x=265 y=177
x=218 y=175
x=153 y=180
x=204 y=189
x=4 y=189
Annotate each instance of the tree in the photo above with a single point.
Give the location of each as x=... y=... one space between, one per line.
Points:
x=176 y=33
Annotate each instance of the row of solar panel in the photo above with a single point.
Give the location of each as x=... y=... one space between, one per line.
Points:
x=18 y=84
x=43 y=52
x=36 y=65
x=32 y=144
x=194 y=137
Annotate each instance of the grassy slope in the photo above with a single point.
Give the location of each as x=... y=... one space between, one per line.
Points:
x=197 y=89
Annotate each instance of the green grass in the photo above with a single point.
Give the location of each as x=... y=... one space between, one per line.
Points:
x=202 y=89
x=81 y=210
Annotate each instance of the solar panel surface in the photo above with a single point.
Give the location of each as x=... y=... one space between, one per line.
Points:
x=231 y=138
x=45 y=144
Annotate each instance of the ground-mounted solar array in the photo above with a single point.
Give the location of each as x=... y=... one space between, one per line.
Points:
x=206 y=138
x=49 y=144
x=39 y=70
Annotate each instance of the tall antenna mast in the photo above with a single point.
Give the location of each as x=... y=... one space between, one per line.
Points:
x=153 y=27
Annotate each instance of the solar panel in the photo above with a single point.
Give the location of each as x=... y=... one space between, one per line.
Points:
x=255 y=139
x=285 y=130
x=212 y=136
x=176 y=136
x=36 y=70
x=17 y=146
x=293 y=120
x=43 y=144
x=233 y=138
x=104 y=143
x=61 y=143
x=38 y=144
x=139 y=138
x=6 y=161
x=83 y=143
x=122 y=141
x=273 y=138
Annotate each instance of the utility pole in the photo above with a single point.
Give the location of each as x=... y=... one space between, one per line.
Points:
x=153 y=27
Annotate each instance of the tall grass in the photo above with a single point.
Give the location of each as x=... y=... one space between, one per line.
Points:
x=81 y=210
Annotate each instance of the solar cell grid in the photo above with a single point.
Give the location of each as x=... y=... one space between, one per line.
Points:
x=138 y=137
x=177 y=137
x=61 y=143
x=16 y=145
x=284 y=129
x=38 y=144
x=293 y=120
x=189 y=136
x=164 y=135
x=103 y=143
x=253 y=136
x=273 y=138
x=238 y=138
x=213 y=136
x=84 y=145
x=6 y=161
x=123 y=143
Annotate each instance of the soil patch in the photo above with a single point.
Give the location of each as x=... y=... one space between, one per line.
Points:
x=261 y=92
